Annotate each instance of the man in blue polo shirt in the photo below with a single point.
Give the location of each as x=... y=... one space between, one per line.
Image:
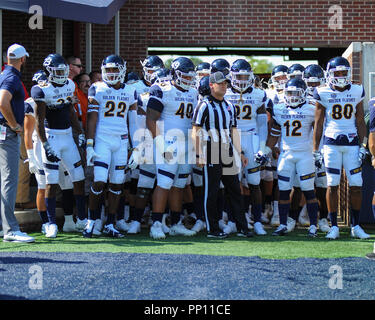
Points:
x=12 y=112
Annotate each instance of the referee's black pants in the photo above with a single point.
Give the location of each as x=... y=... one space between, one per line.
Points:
x=212 y=174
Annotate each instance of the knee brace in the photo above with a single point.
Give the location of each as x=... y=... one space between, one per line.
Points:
x=284 y=195
x=309 y=195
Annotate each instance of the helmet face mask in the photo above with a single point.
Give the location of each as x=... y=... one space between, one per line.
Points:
x=161 y=76
x=314 y=77
x=279 y=80
x=339 y=72
x=113 y=70
x=56 y=69
x=242 y=80
x=150 y=65
x=183 y=73
x=295 y=92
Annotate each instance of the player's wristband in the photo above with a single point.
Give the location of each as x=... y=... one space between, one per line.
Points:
x=30 y=153
x=90 y=142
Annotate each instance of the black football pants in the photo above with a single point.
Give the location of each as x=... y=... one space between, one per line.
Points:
x=212 y=174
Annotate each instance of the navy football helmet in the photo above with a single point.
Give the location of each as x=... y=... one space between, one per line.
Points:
x=220 y=65
x=56 y=68
x=150 y=65
x=39 y=77
x=295 y=70
x=204 y=86
x=113 y=62
x=295 y=92
x=279 y=76
x=202 y=69
x=339 y=72
x=161 y=75
x=183 y=72
x=241 y=75
x=313 y=77
x=132 y=77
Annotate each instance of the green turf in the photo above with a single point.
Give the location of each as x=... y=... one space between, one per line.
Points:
x=294 y=245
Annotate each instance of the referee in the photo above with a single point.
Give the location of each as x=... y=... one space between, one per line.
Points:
x=214 y=127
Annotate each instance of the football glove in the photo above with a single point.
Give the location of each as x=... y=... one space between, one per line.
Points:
x=262 y=156
x=81 y=140
x=362 y=154
x=90 y=155
x=135 y=159
x=50 y=154
x=318 y=157
x=33 y=165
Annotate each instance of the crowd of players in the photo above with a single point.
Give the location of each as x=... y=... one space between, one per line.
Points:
x=296 y=135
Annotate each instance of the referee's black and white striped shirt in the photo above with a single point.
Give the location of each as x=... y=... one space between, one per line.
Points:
x=216 y=118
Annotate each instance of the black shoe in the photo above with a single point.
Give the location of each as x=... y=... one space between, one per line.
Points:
x=280 y=231
x=89 y=228
x=217 y=235
x=245 y=234
x=112 y=232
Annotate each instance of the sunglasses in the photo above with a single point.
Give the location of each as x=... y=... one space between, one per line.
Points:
x=77 y=65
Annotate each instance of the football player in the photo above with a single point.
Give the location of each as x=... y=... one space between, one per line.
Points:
x=314 y=77
x=202 y=70
x=252 y=123
x=293 y=122
x=295 y=71
x=339 y=103
x=169 y=112
x=55 y=119
x=110 y=102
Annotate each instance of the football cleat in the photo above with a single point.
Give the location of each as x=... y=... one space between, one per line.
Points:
x=334 y=233
x=180 y=230
x=135 y=227
x=69 y=225
x=111 y=231
x=81 y=224
x=245 y=234
x=217 y=235
x=122 y=225
x=280 y=231
x=357 y=232
x=156 y=231
x=44 y=227
x=258 y=229
x=51 y=231
x=291 y=224
x=199 y=226
x=222 y=224
x=312 y=232
x=230 y=228
x=323 y=225
x=89 y=228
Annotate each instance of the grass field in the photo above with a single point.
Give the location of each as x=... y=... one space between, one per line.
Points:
x=292 y=246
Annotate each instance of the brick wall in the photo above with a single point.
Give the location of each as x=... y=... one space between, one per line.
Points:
x=228 y=23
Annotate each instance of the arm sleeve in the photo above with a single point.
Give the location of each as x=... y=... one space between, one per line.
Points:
x=262 y=126
x=155 y=102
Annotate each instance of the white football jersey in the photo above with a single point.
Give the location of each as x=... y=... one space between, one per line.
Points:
x=340 y=109
x=113 y=107
x=140 y=86
x=57 y=100
x=296 y=126
x=246 y=107
x=176 y=106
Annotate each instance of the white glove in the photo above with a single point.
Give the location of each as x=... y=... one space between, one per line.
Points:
x=318 y=157
x=362 y=154
x=90 y=155
x=135 y=159
x=33 y=165
x=81 y=140
x=262 y=157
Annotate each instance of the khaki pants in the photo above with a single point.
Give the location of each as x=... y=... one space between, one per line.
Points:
x=23 y=189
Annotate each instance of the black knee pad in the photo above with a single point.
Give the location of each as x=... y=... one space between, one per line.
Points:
x=284 y=194
x=133 y=186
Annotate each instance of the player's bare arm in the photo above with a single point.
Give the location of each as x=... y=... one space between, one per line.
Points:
x=92 y=118
x=40 y=112
x=318 y=125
